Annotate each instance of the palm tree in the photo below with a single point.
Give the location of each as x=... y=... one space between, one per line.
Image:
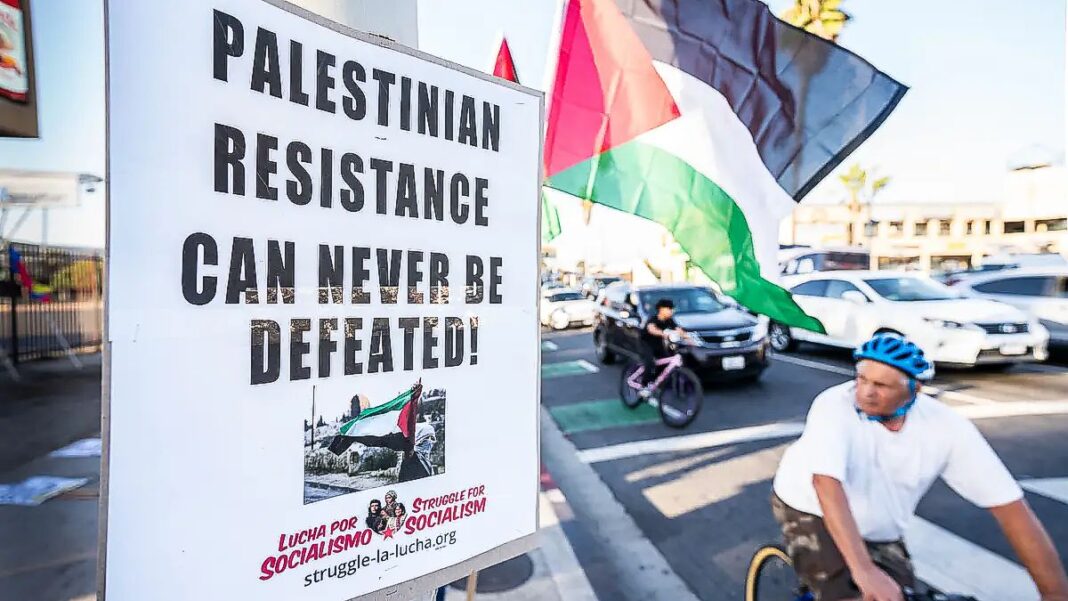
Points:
x=820 y=17
x=862 y=187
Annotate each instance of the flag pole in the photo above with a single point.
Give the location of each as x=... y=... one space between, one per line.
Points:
x=472 y=585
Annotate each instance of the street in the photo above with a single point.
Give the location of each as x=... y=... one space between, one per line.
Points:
x=700 y=495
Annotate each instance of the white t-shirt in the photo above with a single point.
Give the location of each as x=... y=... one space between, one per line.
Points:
x=884 y=473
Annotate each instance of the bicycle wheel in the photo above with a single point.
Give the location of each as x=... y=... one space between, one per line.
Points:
x=630 y=395
x=680 y=398
x=771 y=577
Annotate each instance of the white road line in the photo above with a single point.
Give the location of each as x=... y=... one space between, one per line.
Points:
x=637 y=564
x=960 y=396
x=955 y=565
x=549 y=345
x=931 y=390
x=691 y=442
x=834 y=369
x=564 y=568
x=1016 y=409
x=707 y=440
x=1053 y=488
x=586 y=365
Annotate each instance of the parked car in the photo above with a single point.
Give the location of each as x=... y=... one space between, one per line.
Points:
x=1041 y=292
x=563 y=308
x=729 y=341
x=1005 y=262
x=801 y=260
x=591 y=286
x=552 y=288
x=951 y=329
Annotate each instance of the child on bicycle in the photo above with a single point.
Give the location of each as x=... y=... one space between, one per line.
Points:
x=654 y=335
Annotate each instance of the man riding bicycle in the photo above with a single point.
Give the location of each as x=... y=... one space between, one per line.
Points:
x=870 y=450
x=654 y=334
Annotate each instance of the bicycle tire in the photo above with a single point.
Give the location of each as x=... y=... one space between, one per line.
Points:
x=630 y=397
x=763 y=557
x=680 y=383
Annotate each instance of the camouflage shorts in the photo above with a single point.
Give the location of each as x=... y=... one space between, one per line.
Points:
x=818 y=562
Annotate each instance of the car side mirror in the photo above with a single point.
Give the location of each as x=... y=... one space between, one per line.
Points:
x=855 y=297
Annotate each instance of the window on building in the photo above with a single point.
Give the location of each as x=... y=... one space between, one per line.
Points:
x=971 y=227
x=1015 y=227
x=1051 y=225
x=871 y=229
x=944 y=227
x=988 y=226
x=897 y=228
x=920 y=228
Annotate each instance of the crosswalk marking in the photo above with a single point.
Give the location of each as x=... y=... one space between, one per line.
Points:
x=1053 y=488
x=692 y=442
x=955 y=565
x=549 y=345
x=567 y=368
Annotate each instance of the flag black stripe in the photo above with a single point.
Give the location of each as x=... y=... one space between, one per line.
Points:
x=807 y=102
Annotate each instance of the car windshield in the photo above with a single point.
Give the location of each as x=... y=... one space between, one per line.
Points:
x=686 y=300
x=911 y=289
x=565 y=296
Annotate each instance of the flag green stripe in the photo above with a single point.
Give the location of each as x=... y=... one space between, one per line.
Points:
x=550 y=219
x=394 y=405
x=653 y=184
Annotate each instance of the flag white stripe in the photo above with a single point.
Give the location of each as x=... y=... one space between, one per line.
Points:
x=382 y=424
x=711 y=139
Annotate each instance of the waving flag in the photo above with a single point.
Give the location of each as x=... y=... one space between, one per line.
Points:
x=504 y=68
x=711 y=118
x=38 y=292
x=390 y=425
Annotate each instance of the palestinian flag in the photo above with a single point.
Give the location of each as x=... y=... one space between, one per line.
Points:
x=504 y=68
x=711 y=118
x=390 y=425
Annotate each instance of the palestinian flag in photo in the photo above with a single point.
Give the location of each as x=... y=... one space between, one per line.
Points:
x=711 y=118
x=390 y=425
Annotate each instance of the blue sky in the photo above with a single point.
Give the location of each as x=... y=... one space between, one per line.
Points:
x=987 y=87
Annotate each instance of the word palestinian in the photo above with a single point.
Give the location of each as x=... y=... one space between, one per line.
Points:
x=438 y=112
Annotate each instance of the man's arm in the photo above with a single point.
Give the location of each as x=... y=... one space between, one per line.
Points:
x=1034 y=548
x=874 y=583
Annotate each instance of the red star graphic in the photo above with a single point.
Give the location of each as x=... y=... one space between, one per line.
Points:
x=387 y=533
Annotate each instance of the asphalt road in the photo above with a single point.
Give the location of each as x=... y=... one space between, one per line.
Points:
x=700 y=495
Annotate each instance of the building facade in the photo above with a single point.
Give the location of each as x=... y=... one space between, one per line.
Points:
x=1032 y=218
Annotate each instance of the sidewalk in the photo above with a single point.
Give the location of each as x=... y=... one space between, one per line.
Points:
x=48 y=552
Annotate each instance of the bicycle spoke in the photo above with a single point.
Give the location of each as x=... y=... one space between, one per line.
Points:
x=777 y=581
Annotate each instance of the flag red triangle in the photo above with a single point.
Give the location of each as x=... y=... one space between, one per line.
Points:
x=606 y=92
x=503 y=67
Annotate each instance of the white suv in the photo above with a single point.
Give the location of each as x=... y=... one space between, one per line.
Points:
x=854 y=305
x=1041 y=292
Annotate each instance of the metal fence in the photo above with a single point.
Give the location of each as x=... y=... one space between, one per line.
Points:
x=61 y=312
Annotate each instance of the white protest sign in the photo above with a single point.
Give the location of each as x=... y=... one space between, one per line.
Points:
x=323 y=364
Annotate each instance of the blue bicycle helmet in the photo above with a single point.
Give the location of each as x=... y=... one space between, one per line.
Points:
x=897 y=352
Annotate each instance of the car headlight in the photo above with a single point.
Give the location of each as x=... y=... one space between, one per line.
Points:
x=945 y=323
x=761 y=329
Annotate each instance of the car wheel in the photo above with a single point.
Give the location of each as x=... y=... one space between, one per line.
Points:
x=560 y=320
x=604 y=354
x=780 y=338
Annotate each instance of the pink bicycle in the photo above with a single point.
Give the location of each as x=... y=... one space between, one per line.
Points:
x=676 y=392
